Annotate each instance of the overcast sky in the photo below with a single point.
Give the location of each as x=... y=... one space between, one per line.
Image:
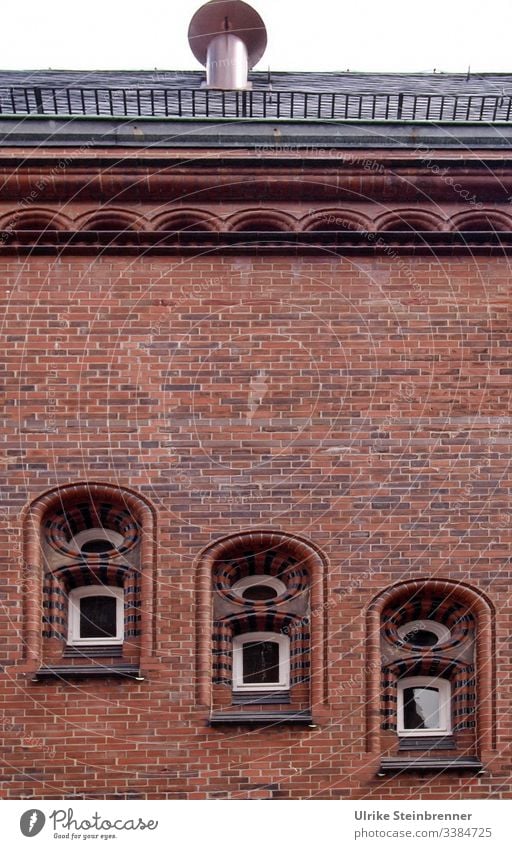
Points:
x=334 y=35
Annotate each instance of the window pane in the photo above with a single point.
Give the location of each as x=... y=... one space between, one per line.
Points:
x=422 y=638
x=421 y=708
x=261 y=663
x=97 y=546
x=97 y=616
x=259 y=592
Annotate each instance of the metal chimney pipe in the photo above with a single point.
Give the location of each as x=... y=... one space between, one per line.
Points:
x=229 y=38
x=227 y=62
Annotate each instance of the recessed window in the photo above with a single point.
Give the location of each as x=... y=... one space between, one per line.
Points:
x=261 y=661
x=424 y=633
x=96 y=615
x=423 y=706
x=259 y=588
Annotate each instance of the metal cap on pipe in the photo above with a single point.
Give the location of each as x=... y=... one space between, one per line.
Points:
x=227 y=16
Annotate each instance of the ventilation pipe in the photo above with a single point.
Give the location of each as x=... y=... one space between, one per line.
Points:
x=228 y=37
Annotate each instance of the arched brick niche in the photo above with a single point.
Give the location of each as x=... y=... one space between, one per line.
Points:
x=189 y=220
x=37 y=218
x=269 y=584
x=430 y=670
x=336 y=220
x=112 y=219
x=409 y=219
x=487 y=220
x=89 y=547
x=261 y=220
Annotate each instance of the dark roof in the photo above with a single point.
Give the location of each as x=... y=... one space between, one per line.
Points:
x=332 y=81
x=275 y=96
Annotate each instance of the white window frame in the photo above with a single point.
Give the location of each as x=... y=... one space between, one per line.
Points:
x=258 y=581
x=114 y=537
x=445 y=706
x=75 y=596
x=441 y=631
x=284 y=661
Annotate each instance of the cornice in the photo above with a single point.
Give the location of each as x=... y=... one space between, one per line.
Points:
x=367 y=176
x=164 y=133
x=387 y=243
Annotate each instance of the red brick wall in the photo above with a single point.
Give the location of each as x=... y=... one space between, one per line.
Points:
x=362 y=403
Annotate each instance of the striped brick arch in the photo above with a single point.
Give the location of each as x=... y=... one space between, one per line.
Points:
x=55 y=517
x=428 y=605
x=79 y=512
x=466 y=658
x=299 y=566
x=461 y=676
x=58 y=583
x=69 y=520
x=275 y=561
x=295 y=627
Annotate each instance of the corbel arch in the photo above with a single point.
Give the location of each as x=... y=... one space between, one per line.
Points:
x=35 y=218
x=188 y=220
x=490 y=220
x=335 y=220
x=261 y=220
x=111 y=219
x=409 y=219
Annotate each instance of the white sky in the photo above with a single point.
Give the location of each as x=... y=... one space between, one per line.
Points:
x=336 y=35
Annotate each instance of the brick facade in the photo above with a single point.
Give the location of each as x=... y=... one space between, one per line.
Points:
x=355 y=398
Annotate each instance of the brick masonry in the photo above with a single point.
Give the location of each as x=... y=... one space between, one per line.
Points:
x=360 y=402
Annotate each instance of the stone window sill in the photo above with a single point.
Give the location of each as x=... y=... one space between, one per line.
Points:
x=419 y=743
x=429 y=764
x=88 y=671
x=274 y=717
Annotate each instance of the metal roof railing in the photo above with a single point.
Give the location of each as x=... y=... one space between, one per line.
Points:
x=276 y=104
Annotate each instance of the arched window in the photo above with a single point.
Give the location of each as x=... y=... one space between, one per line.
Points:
x=424 y=706
x=261 y=598
x=95 y=616
x=431 y=641
x=261 y=661
x=90 y=551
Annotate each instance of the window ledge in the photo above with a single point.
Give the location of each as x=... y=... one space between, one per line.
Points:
x=429 y=764
x=301 y=717
x=273 y=698
x=86 y=652
x=89 y=671
x=413 y=744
